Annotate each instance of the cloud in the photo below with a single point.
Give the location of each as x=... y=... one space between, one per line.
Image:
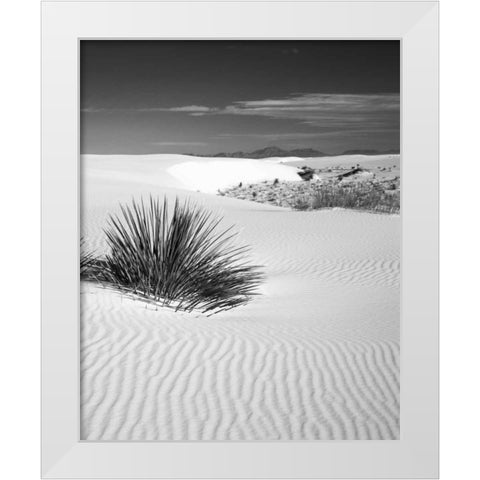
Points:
x=93 y=110
x=191 y=109
x=360 y=111
x=188 y=109
x=326 y=115
x=317 y=109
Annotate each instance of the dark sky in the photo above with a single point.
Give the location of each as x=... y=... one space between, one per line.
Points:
x=212 y=96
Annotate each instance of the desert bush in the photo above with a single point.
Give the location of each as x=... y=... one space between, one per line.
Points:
x=183 y=259
x=371 y=197
x=301 y=202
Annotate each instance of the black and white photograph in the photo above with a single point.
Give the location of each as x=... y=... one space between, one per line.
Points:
x=240 y=240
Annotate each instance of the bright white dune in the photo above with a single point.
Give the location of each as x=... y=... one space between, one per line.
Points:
x=202 y=174
x=284 y=159
x=209 y=176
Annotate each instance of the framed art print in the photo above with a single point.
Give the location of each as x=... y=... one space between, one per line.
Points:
x=239 y=252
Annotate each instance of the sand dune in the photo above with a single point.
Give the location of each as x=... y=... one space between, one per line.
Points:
x=150 y=375
x=314 y=357
x=210 y=175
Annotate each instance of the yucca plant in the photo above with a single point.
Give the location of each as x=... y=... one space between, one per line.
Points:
x=88 y=262
x=183 y=259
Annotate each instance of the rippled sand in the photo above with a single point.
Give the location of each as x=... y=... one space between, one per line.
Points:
x=314 y=357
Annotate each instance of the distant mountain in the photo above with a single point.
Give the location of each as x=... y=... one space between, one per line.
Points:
x=307 y=152
x=369 y=152
x=269 y=152
x=393 y=151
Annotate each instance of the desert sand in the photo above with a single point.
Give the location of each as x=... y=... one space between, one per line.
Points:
x=315 y=356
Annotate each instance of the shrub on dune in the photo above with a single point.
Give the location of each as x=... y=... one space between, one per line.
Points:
x=184 y=260
x=301 y=202
x=368 y=197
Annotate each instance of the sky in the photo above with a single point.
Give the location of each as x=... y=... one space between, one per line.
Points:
x=141 y=97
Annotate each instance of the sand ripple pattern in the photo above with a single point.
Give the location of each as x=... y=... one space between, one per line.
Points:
x=315 y=357
x=164 y=378
x=365 y=271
